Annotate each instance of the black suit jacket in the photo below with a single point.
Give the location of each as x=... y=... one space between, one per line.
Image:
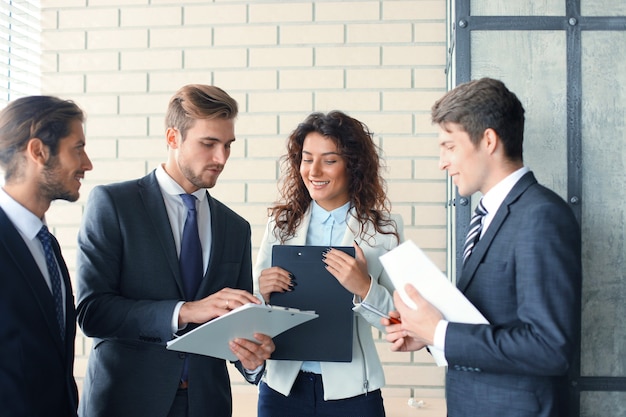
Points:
x=36 y=365
x=128 y=284
x=524 y=275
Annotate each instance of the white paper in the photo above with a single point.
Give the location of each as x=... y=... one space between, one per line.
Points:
x=212 y=338
x=407 y=264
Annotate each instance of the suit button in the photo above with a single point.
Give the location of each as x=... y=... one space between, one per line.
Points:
x=478 y=370
x=457 y=368
x=181 y=355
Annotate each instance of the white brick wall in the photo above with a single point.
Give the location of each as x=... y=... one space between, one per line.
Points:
x=380 y=61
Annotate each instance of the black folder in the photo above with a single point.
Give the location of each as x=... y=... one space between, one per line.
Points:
x=329 y=337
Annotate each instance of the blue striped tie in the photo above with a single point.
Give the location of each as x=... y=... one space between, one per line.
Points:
x=475 y=228
x=55 y=279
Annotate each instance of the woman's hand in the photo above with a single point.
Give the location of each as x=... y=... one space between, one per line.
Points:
x=274 y=279
x=350 y=272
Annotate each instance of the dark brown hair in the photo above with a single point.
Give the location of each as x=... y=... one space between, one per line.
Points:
x=366 y=186
x=482 y=104
x=47 y=118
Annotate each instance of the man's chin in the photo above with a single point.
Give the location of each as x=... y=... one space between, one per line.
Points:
x=71 y=197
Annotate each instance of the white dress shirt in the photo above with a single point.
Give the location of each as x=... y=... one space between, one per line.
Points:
x=177 y=214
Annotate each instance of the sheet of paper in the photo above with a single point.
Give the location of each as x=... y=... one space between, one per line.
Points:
x=408 y=264
x=212 y=338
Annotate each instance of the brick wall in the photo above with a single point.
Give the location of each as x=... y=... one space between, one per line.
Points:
x=380 y=61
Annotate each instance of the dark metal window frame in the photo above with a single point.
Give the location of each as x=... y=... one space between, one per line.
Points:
x=573 y=24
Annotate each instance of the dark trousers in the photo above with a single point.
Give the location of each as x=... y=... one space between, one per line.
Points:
x=180 y=405
x=307 y=400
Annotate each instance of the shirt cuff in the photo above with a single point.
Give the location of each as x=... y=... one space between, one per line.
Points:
x=356 y=300
x=251 y=375
x=175 y=327
x=440 y=335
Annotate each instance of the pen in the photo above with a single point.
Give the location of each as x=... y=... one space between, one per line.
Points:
x=376 y=311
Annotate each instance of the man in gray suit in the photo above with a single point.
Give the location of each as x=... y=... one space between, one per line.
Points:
x=133 y=295
x=523 y=273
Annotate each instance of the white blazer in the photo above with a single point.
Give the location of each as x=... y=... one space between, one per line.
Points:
x=365 y=372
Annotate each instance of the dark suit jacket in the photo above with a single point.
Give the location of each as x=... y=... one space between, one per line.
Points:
x=524 y=275
x=127 y=287
x=36 y=366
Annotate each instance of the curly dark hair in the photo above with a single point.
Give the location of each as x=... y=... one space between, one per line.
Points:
x=366 y=185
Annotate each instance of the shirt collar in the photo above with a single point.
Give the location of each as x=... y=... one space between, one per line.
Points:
x=322 y=215
x=170 y=186
x=24 y=220
x=494 y=198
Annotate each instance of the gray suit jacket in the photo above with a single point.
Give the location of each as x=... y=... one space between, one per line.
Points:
x=524 y=275
x=128 y=285
x=36 y=365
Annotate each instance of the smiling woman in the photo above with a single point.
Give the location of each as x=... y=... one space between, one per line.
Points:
x=323 y=171
x=332 y=195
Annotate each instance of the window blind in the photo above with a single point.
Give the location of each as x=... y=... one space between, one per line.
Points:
x=20 y=49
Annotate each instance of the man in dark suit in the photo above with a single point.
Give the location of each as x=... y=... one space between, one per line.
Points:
x=42 y=153
x=133 y=295
x=523 y=274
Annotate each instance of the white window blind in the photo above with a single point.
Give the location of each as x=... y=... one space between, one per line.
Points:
x=20 y=49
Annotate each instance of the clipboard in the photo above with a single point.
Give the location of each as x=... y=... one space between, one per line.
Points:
x=212 y=337
x=328 y=338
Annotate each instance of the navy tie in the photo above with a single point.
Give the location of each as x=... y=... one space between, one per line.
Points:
x=475 y=228
x=190 y=259
x=53 y=270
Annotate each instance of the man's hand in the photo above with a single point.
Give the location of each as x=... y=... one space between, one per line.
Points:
x=417 y=328
x=253 y=354
x=214 y=305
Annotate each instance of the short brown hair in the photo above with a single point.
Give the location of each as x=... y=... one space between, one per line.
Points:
x=198 y=101
x=482 y=104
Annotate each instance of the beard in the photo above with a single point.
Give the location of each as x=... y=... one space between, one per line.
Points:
x=52 y=187
x=197 y=180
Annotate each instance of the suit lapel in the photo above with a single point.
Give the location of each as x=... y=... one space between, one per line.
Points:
x=14 y=245
x=150 y=192
x=300 y=238
x=352 y=227
x=481 y=248
x=218 y=232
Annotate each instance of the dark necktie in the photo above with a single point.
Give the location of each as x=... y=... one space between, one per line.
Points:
x=190 y=259
x=53 y=270
x=475 y=228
